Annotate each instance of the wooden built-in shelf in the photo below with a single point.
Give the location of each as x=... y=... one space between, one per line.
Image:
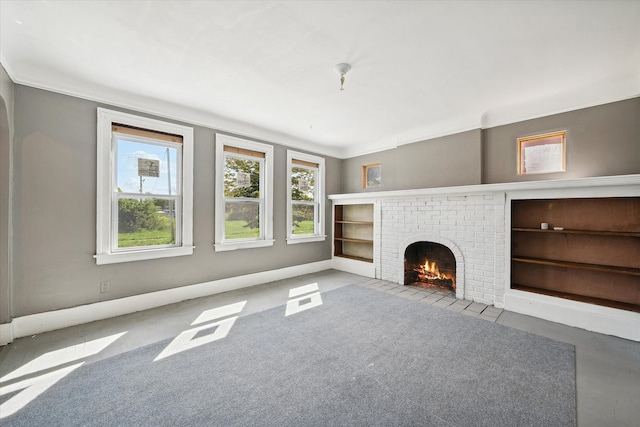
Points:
x=581 y=298
x=595 y=258
x=595 y=267
x=580 y=232
x=353 y=232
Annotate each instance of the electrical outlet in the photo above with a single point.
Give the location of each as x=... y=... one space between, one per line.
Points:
x=104 y=287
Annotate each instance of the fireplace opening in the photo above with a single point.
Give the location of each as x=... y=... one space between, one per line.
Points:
x=430 y=265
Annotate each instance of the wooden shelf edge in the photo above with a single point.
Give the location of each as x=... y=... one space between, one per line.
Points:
x=354 y=222
x=567 y=264
x=347 y=239
x=580 y=298
x=582 y=232
x=357 y=258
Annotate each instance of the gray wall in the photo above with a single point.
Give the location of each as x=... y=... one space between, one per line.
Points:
x=55 y=210
x=601 y=141
x=54 y=195
x=6 y=131
x=439 y=162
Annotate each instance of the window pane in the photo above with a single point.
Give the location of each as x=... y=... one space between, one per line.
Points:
x=241 y=177
x=146 y=222
x=242 y=220
x=303 y=219
x=303 y=182
x=144 y=168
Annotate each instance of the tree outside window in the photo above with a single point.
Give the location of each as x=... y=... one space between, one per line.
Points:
x=244 y=188
x=144 y=188
x=146 y=172
x=305 y=198
x=242 y=198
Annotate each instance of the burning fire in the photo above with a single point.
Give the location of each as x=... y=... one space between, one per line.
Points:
x=429 y=273
x=431 y=267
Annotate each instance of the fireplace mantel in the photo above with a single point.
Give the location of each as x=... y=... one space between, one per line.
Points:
x=557 y=184
x=476 y=219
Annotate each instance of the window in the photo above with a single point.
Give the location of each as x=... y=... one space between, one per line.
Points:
x=244 y=189
x=305 y=198
x=144 y=188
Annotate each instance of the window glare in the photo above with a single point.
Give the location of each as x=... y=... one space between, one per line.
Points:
x=303 y=184
x=241 y=177
x=128 y=179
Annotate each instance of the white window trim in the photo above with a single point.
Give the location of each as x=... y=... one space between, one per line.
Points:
x=320 y=235
x=267 y=239
x=104 y=254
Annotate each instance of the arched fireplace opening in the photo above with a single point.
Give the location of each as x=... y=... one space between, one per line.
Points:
x=430 y=265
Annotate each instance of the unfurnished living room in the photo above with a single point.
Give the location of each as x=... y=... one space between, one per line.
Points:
x=319 y=213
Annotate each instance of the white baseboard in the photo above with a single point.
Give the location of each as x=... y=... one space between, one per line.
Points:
x=595 y=318
x=361 y=268
x=6 y=333
x=58 y=319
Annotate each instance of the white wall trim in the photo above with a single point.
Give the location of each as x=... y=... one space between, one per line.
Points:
x=6 y=333
x=616 y=90
x=604 y=320
x=361 y=268
x=172 y=111
x=58 y=319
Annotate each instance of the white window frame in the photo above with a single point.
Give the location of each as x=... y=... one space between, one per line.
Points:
x=319 y=235
x=106 y=252
x=266 y=194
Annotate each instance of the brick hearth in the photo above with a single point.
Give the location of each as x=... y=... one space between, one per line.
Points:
x=472 y=226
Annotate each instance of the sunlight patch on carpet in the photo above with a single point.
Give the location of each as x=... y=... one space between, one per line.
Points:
x=204 y=334
x=306 y=301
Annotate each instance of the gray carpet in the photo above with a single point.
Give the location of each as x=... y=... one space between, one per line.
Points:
x=362 y=358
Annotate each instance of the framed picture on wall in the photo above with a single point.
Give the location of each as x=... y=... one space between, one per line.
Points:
x=372 y=175
x=545 y=153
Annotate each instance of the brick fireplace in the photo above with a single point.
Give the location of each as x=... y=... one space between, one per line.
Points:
x=471 y=226
x=474 y=223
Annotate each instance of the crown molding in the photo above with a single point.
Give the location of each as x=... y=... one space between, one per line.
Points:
x=626 y=87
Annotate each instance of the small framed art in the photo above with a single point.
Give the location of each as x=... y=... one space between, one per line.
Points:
x=545 y=153
x=372 y=175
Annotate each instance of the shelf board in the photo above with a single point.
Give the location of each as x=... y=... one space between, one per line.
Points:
x=583 y=232
x=357 y=258
x=355 y=222
x=581 y=298
x=348 y=239
x=594 y=267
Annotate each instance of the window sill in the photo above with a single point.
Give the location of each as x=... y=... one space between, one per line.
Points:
x=306 y=239
x=114 y=258
x=232 y=246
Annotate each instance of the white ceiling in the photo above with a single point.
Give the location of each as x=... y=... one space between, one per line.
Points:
x=264 y=69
